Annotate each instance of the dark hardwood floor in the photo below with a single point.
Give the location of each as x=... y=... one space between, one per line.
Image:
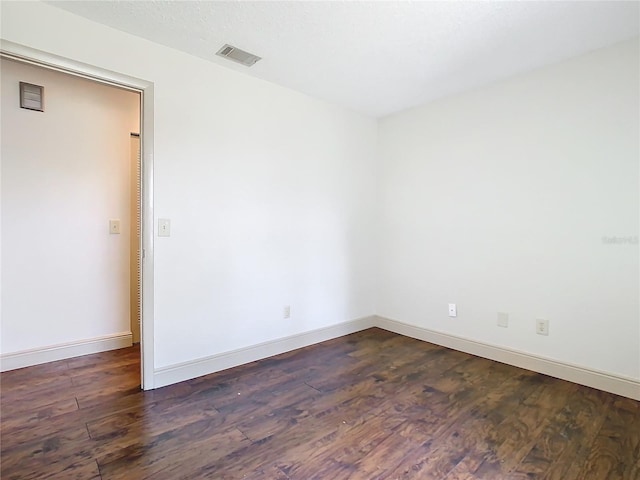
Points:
x=369 y=405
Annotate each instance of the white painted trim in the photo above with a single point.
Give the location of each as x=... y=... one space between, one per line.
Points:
x=73 y=67
x=147 y=343
x=53 y=353
x=204 y=366
x=609 y=382
x=41 y=58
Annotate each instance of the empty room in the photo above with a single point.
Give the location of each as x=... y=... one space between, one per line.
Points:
x=320 y=240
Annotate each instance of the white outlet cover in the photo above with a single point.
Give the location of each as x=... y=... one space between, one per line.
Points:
x=542 y=326
x=453 y=310
x=503 y=319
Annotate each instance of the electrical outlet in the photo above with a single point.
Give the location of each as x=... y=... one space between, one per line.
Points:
x=542 y=326
x=286 y=311
x=503 y=319
x=453 y=310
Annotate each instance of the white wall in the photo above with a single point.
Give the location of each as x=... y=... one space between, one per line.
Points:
x=65 y=173
x=498 y=200
x=270 y=192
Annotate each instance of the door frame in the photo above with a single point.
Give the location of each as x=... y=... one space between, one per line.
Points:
x=145 y=88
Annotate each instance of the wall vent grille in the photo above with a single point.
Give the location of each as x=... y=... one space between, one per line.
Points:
x=31 y=97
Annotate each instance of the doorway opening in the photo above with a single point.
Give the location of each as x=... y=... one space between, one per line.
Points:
x=140 y=276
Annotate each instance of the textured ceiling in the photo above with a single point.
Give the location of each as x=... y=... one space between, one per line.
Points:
x=375 y=57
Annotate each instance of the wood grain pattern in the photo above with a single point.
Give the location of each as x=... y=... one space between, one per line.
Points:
x=372 y=405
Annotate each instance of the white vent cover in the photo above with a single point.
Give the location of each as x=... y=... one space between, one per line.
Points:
x=232 y=53
x=31 y=97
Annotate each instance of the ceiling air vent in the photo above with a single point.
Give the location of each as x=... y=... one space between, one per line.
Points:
x=232 y=53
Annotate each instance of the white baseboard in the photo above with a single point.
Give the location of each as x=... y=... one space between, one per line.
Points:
x=624 y=386
x=36 y=356
x=215 y=363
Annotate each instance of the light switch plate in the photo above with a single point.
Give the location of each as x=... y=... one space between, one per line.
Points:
x=114 y=226
x=164 y=227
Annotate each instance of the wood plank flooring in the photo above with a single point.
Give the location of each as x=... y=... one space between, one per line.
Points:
x=372 y=405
